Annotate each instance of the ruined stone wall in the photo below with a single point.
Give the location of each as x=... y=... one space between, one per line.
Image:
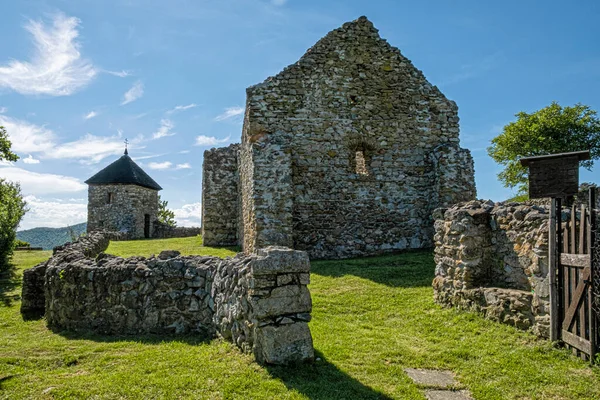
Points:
x=493 y=258
x=260 y=302
x=165 y=231
x=351 y=93
x=126 y=211
x=220 y=196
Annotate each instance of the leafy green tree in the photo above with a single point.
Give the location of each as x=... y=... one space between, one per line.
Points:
x=553 y=129
x=165 y=216
x=5 y=144
x=12 y=205
x=12 y=209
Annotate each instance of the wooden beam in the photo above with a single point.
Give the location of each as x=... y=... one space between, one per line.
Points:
x=575 y=260
x=577 y=298
x=591 y=242
x=553 y=244
x=576 y=341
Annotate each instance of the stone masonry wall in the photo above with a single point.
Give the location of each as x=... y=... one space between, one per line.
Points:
x=164 y=231
x=260 y=302
x=126 y=211
x=493 y=258
x=351 y=97
x=220 y=196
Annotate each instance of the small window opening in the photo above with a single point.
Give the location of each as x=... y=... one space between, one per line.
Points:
x=101 y=224
x=353 y=99
x=110 y=198
x=361 y=163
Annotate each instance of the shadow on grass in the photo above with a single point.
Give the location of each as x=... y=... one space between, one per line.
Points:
x=9 y=281
x=147 y=338
x=409 y=269
x=323 y=380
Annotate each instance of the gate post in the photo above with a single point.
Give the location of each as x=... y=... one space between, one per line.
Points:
x=593 y=252
x=553 y=249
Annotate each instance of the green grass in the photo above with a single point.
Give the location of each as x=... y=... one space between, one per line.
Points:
x=187 y=246
x=372 y=317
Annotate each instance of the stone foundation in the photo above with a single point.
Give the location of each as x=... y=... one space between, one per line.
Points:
x=493 y=258
x=260 y=302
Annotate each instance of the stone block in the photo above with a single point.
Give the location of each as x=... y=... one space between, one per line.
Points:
x=279 y=260
x=285 y=344
x=282 y=300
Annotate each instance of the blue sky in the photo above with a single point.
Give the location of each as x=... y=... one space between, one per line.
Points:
x=77 y=77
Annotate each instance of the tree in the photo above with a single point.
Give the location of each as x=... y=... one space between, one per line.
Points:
x=12 y=205
x=5 y=144
x=553 y=129
x=12 y=209
x=165 y=216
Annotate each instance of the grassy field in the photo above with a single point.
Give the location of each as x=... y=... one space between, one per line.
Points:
x=372 y=318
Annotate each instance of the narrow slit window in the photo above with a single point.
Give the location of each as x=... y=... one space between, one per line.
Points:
x=109 y=200
x=361 y=164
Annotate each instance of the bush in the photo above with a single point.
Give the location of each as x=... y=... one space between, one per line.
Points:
x=12 y=209
x=22 y=243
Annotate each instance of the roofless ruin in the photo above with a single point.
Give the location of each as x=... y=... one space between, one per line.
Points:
x=345 y=153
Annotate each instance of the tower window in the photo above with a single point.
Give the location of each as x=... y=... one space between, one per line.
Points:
x=361 y=163
x=110 y=198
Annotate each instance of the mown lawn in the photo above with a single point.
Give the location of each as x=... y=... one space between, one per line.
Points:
x=372 y=318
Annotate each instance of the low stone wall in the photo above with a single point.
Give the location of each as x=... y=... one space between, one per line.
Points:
x=493 y=258
x=163 y=231
x=260 y=301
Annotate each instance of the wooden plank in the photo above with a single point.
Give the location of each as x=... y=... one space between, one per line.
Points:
x=576 y=298
x=582 y=230
x=575 y=260
x=566 y=238
x=553 y=246
x=576 y=342
x=573 y=235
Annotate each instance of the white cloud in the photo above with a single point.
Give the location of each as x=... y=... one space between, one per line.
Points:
x=27 y=137
x=3 y=110
x=89 y=148
x=91 y=115
x=278 y=2
x=230 y=113
x=37 y=183
x=160 y=166
x=189 y=214
x=120 y=74
x=53 y=213
x=184 y=152
x=31 y=138
x=183 y=166
x=56 y=68
x=164 y=130
x=182 y=108
x=136 y=91
x=209 y=140
x=30 y=160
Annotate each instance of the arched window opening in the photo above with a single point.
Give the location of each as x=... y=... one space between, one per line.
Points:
x=361 y=163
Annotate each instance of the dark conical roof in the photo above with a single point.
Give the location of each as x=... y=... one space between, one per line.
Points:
x=126 y=171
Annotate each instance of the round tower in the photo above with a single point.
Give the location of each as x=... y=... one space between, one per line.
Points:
x=123 y=198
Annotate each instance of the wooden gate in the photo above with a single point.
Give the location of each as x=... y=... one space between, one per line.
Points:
x=574 y=313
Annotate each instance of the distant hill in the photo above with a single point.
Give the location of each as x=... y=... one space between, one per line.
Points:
x=48 y=238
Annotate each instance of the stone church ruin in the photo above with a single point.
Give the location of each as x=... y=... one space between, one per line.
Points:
x=123 y=198
x=345 y=153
